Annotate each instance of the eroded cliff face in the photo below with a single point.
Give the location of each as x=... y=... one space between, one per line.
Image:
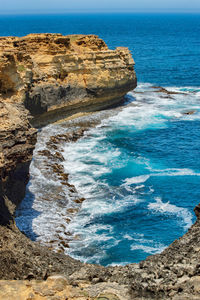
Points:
x=55 y=75
x=46 y=77
x=49 y=77
x=17 y=141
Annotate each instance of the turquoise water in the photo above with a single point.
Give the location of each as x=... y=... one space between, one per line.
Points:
x=139 y=168
x=139 y=172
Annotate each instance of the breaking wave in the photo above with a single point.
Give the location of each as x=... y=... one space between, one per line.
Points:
x=138 y=171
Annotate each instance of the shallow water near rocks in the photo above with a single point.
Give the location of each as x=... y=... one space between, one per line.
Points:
x=138 y=170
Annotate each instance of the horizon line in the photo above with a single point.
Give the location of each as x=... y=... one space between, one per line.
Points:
x=41 y=12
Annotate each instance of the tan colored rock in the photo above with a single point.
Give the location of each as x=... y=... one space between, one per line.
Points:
x=48 y=72
x=51 y=290
x=45 y=77
x=52 y=76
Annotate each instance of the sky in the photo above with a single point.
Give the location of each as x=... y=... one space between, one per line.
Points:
x=46 y=6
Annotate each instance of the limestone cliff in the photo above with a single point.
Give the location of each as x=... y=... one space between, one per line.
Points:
x=44 y=78
x=53 y=75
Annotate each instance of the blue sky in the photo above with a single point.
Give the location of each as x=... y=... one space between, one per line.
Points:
x=20 y=6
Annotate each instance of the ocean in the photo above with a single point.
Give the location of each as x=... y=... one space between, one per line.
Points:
x=138 y=168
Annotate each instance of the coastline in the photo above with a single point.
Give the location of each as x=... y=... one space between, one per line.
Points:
x=173 y=274
x=49 y=156
x=169 y=275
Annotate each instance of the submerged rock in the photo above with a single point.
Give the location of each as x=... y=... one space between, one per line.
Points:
x=160 y=89
x=191 y=112
x=45 y=77
x=52 y=76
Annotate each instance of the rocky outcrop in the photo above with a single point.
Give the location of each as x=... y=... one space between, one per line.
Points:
x=58 y=288
x=44 y=78
x=17 y=141
x=55 y=75
x=49 y=77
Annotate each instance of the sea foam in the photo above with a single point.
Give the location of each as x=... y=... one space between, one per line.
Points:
x=122 y=180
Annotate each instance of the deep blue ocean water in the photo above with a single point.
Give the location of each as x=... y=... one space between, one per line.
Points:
x=166 y=48
x=138 y=169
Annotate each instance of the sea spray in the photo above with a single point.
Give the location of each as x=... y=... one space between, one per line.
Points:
x=138 y=171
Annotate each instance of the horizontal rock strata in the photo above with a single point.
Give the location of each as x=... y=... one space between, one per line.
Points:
x=53 y=75
x=47 y=77
x=44 y=78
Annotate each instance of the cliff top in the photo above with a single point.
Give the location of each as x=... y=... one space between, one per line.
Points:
x=48 y=71
x=51 y=43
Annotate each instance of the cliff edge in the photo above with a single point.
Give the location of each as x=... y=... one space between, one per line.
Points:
x=54 y=75
x=44 y=78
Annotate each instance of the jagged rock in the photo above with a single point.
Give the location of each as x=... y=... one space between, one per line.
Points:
x=160 y=89
x=47 y=76
x=17 y=141
x=55 y=75
x=191 y=112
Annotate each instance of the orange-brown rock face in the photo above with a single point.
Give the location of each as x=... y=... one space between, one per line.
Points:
x=50 y=72
x=47 y=77
x=51 y=76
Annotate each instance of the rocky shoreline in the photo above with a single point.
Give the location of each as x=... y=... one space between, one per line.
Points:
x=44 y=78
x=54 y=76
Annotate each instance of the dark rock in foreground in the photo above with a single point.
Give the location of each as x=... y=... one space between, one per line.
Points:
x=53 y=77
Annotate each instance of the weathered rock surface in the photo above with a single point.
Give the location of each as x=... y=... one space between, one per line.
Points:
x=17 y=141
x=50 y=76
x=47 y=74
x=44 y=78
x=58 y=288
x=53 y=75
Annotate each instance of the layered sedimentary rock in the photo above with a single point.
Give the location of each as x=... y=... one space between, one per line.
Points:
x=49 y=77
x=53 y=75
x=44 y=78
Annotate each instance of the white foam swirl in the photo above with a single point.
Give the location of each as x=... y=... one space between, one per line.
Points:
x=167 y=208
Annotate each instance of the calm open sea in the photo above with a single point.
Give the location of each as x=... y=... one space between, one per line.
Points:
x=139 y=169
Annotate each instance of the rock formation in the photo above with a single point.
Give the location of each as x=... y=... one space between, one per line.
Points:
x=17 y=141
x=44 y=78
x=51 y=76
x=55 y=75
